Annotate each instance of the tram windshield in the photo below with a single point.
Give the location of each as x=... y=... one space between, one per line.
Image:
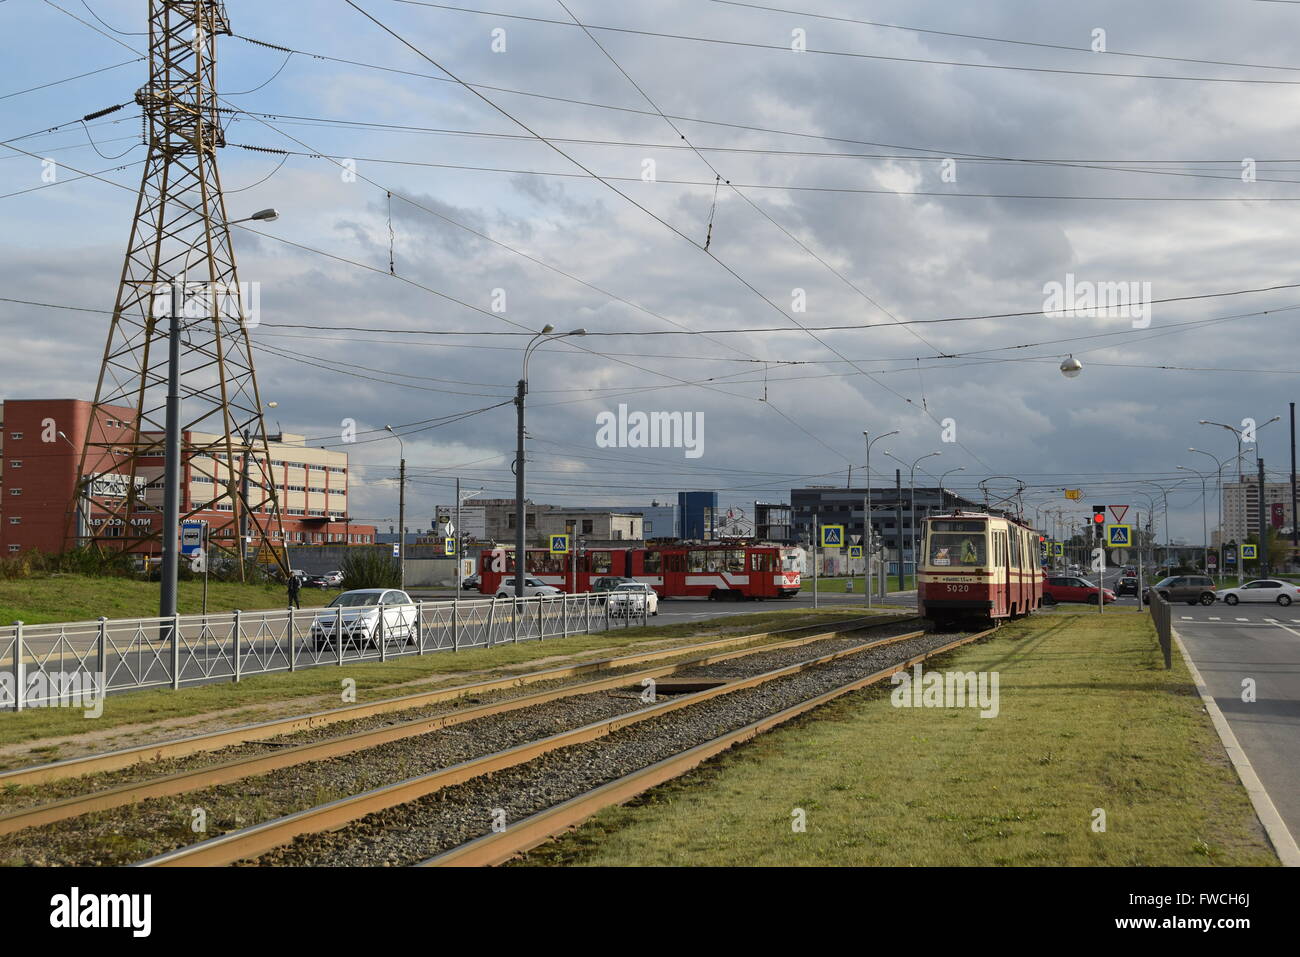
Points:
x=957 y=548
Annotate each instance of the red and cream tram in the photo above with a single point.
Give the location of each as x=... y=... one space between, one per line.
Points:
x=718 y=572
x=978 y=566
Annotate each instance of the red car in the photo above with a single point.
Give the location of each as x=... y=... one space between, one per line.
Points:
x=1069 y=588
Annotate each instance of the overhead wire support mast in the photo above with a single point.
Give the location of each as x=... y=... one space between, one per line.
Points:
x=211 y=429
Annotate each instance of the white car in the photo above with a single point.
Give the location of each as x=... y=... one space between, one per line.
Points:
x=1265 y=589
x=532 y=587
x=333 y=579
x=359 y=611
x=632 y=598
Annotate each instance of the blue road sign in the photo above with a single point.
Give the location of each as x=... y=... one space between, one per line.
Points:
x=832 y=536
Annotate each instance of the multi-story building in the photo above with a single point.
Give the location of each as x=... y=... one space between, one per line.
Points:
x=39 y=506
x=772 y=522
x=1241 y=507
x=697 y=515
x=844 y=506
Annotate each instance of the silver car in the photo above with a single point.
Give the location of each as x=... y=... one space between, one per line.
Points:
x=357 y=614
x=632 y=598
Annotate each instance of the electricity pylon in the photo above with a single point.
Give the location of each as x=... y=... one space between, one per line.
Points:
x=179 y=260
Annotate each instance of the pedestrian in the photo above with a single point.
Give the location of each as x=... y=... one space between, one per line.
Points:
x=294 y=586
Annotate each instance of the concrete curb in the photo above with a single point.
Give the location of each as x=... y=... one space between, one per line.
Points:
x=1283 y=843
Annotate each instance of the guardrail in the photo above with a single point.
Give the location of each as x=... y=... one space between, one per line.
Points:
x=76 y=663
x=1162 y=617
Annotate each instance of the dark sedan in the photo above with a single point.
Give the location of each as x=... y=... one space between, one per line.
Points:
x=1127 y=586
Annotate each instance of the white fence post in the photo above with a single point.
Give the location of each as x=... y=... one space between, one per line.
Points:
x=292 y=643
x=20 y=677
x=176 y=652
x=101 y=651
x=238 y=625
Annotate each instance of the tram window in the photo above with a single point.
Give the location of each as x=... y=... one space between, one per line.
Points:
x=951 y=548
x=698 y=560
x=675 y=562
x=599 y=563
x=1015 y=549
x=652 y=562
x=735 y=560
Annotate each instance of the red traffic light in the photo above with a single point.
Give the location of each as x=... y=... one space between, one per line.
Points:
x=1099 y=514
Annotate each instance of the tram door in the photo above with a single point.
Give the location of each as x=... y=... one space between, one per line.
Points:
x=1003 y=605
x=674 y=572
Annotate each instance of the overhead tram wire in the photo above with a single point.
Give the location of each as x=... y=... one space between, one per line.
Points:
x=848 y=54
x=607 y=179
x=718 y=177
x=938 y=153
x=992 y=39
x=612 y=188
x=69 y=79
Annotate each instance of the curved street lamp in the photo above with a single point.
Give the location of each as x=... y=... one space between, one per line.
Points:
x=547 y=334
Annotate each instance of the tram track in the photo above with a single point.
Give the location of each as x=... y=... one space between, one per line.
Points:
x=369 y=742
x=424 y=817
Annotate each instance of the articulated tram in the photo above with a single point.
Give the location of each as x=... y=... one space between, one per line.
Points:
x=719 y=572
x=976 y=566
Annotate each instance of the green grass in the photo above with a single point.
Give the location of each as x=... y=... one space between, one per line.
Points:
x=835 y=586
x=66 y=597
x=1088 y=719
x=376 y=679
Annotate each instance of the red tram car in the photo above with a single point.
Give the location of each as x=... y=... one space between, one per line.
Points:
x=719 y=572
x=978 y=566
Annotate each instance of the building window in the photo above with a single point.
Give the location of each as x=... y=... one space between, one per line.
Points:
x=587 y=525
x=15 y=436
x=15 y=491
x=14 y=548
x=15 y=463
x=15 y=520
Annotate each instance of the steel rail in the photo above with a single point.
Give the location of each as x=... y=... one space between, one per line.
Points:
x=253 y=841
x=498 y=847
x=236 y=769
x=216 y=740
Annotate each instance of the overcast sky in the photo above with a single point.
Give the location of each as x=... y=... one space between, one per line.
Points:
x=843 y=213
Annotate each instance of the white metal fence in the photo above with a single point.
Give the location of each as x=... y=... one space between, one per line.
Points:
x=73 y=662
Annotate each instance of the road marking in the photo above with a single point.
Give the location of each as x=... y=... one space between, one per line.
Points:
x=1243 y=619
x=1188 y=618
x=1215 y=618
x=1283 y=841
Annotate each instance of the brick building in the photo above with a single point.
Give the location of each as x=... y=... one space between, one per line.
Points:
x=40 y=445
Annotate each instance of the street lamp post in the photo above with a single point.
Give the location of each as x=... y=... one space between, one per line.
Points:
x=521 y=390
x=960 y=468
x=401 y=509
x=1205 y=533
x=172 y=437
x=1219 y=464
x=866 y=517
x=911 y=479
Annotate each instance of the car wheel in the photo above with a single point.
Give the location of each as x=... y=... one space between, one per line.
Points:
x=1284 y=600
x=1049 y=600
x=1092 y=599
x=1207 y=598
x=1231 y=599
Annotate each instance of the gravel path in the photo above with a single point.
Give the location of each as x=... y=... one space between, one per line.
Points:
x=127 y=834
x=450 y=817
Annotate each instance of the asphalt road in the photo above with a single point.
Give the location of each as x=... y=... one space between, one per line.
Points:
x=1260 y=642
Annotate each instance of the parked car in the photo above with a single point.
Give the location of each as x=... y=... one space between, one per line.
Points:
x=610 y=582
x=1127 y=585
x=333 y=579
x=632 y=598
x=1188 y=588
x=1067 y=588
x=532 y=587
x=1264 y=589
x=359 y=611
x=470 y=583
x=315 y=581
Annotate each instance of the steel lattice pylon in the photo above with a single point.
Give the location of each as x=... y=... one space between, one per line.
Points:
x=179 y=234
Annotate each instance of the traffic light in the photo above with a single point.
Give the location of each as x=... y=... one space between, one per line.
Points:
x=1099 y=515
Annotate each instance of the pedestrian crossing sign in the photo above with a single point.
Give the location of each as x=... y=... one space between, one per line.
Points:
x=1119 y=536
x=832 y=536
x=449 y=546
x=855 y=551
x=559 y=544
x=1249 y=551
x=1058 y=549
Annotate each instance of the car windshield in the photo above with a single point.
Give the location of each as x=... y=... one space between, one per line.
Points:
x=352 y=599
x=957 y=548
x=533 y=582
x=631 y=587
x=1163 y=582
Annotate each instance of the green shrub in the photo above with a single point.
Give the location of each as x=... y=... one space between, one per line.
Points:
x=370 y=568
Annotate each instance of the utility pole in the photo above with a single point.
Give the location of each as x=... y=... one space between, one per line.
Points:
x=401 y=521
x=898 y=518
x=1263 y=525
x=1295 y=516
x=520 y=391
x=172 y=465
